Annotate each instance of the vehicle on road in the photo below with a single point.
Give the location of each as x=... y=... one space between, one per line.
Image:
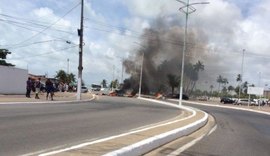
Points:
x=226 y=100
x=245 y=102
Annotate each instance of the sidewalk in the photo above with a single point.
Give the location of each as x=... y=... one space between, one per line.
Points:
x=58 y=96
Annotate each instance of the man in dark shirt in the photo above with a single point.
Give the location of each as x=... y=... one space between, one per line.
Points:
x=49 y=89
x=28 y=87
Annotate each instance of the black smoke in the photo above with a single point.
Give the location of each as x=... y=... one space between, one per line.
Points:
x=162 y=45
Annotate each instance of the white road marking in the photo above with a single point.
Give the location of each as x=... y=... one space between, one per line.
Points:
x=121 y=135
x=212 y=130
x=193 y=142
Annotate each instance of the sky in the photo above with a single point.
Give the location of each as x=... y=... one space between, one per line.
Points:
x=37 y=31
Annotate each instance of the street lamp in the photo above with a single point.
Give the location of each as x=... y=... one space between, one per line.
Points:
x=140 y=83
x=140 y=87
x=241 y=76
x=186 y=9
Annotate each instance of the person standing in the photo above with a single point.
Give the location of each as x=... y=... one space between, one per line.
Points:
x=49 y=89
x=28 y=87
x=37 y=88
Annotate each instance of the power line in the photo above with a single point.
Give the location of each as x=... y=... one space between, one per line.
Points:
x=32 y=25
x=14 y=24
x=62 y=49
x=40 y=32
x=39 y=42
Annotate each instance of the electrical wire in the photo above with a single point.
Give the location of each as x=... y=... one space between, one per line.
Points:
x=46 y=28
x=39 y=42
x=26 y=57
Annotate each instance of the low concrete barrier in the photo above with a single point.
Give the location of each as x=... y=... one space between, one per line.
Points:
x=151 y=143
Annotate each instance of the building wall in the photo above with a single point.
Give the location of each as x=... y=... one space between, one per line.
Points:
x=12 y=80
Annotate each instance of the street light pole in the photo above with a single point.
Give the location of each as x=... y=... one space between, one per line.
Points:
x=80 y=67
x=186 y=9
x=68 y=66
x=140 y=87
x=141 y=72
x=241 y=78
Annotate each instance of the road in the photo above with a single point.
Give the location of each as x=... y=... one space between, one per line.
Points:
x=33 y=128
x=238 y=133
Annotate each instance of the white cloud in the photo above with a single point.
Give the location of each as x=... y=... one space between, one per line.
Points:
x=225 y=27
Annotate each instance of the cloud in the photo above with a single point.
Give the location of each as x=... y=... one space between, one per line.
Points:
x=226 y=26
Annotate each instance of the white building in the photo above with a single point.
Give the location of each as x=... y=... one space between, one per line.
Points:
x=13 y=80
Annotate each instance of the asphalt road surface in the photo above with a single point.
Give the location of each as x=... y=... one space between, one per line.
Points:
x=238 y=133
x=32 y=128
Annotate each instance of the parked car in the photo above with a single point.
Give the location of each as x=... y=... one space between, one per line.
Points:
x=176 y=96
x=226 y=100
x=245 y=102
x=260 y=102
x=84 y=89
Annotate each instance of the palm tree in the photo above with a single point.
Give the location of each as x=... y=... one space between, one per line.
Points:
x=239 y=77
x=104 y=83
x=196 y=69
x=219 y=81
x=245 y=87
x=198 y=66
x=173 y=81
x=211 y=88
x=225 y=82
x=230 y=88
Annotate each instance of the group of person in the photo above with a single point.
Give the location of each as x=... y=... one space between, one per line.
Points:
x=36 y=87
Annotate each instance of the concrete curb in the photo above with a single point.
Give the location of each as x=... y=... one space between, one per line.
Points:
x=46 y=102
x=151 y=143
x=227 y=107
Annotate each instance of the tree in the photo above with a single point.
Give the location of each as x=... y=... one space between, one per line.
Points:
x=114 y=84
x=173 y=81
x=219 y=81
x=3 y=56
x=104 y=83
x=239 y=78
x=225 y=82
x=71 y=78
x=224 y=90
x=245 y=87
x=230 y=88
x=211 y=88
x=61 y=76
x=197 y=68
x=192 y=73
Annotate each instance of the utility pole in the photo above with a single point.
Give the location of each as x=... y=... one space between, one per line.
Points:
x=68 y=66
x=186 y=9
x=140 y=87
x=241 y=78
x=80 y=67
x=113 y=78
x=122 y=72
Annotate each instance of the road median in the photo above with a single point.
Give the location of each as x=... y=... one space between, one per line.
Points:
x=140 y=141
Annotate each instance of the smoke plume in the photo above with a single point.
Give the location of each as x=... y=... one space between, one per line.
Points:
x=162 y=47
